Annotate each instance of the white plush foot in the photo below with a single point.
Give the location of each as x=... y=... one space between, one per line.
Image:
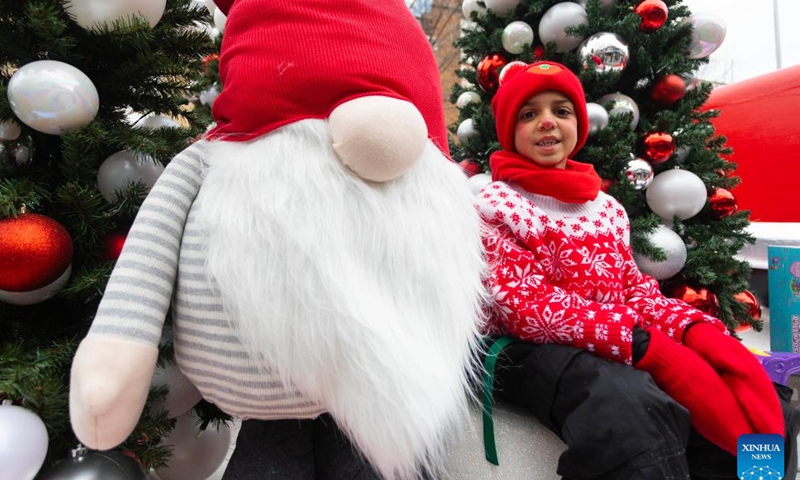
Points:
x=109 y=384
x=378 y=138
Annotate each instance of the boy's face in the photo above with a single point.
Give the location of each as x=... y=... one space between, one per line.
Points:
x=546 y=131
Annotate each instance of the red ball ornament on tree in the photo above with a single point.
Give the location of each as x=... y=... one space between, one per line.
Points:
x=36 y=258
x=668 y=90
x=722 y=202
x=700 y=298
x=489 y=72
x=470 y=168
x=752 y=304
x=657 y=147
x=114 y=242
x=654 y=14
x=606 y=183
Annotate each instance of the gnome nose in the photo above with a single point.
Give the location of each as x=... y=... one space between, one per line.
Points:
x=378 y=138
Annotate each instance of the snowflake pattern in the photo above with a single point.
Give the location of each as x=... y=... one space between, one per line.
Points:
x=565 y=274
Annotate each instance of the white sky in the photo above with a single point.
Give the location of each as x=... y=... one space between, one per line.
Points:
x=749 y=49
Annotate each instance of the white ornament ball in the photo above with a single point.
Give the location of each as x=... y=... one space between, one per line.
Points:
x=618 y=104
x=598 y=117
x=91 y=14
x=466 y=98
x=125 y=167
x=219 y=20
x=9 y=130
x=465 y=130
x=603 y=3
x=516 y=36
x=674 y=248
x=209 y=95
x=676 y=192
x=708 y=33
x=52 y=97
x=156 y=121
x=469 y=6
x=554 y=22
x=23 y=443
x=501 y=8
x=195 y=454
x=478 y=181
x=182 y=394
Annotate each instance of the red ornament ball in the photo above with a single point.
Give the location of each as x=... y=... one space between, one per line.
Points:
x=470 y=168
x=752 y=304
x=700 y=298
x=654 y=14
x=114 y=242
x=657 y=147
x=36 y=251
x=538 y=53
x=207 y=62
x=606 y=183
x=489 y=72
x=667 y=90
x=722 y=202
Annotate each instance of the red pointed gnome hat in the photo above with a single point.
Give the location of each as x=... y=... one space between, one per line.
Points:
x=284 y=61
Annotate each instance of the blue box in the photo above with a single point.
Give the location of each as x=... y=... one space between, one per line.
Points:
x=783 y=280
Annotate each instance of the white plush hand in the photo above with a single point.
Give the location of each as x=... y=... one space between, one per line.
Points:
x=379 y=138
x=109 y=384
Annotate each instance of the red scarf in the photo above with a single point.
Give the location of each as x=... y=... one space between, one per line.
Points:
x=576 y=183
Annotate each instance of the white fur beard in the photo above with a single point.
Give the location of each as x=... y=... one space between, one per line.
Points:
x=365 y=297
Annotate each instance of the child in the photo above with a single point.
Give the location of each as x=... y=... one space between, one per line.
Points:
x=608 y=363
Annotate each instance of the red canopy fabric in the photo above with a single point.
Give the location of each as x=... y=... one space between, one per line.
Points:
x=761 y=119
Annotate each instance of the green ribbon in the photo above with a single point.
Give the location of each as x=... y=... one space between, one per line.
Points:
x=489 y=363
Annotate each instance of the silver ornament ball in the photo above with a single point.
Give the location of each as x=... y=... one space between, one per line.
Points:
x=708 y=33
x=676 y=192
x=554 y=22
x=466 y=98
x=516 y=36
x=598 y=117
x=674 y=248
x=618 y=104
x=465 y=130
x=639 y=172
x=607 y=51
x=92 y=465
x=501 y=8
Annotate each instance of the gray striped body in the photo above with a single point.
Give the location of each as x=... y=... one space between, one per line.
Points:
x=163 y=255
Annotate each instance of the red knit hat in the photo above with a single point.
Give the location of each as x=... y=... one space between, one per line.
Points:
x=520 y=82
x=284 y=61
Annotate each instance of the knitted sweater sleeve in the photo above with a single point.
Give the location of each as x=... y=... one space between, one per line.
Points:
x=527 y=305
x=643 y=294
x=137 y=297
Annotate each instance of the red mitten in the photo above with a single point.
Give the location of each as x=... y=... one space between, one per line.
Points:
x=685 y=377
x=742 y=373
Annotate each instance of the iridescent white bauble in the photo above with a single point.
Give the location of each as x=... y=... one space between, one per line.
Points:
x=126 y=167
x=18 y=151
x=607 y=51
x=674 y=248
x=152 y=121
x=516 y=36
x=603 y=3
x=195 y=454
x=639 y=172
x=501 y=8
x=618 y=104
x=210 y=94
x=52 y=97
x=478 y=181
x=9 y=130
x=23 y=442
x=556 y=19
x=465 y=130
x=91 y=14
x=676 y=192
x=219 y=20
x=466 y=98
x=182 y=394
x=469 y=6
x=708 y=33
x=598 y=117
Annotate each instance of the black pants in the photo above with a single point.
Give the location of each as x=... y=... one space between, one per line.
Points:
x=295 y=450
x=617 y=424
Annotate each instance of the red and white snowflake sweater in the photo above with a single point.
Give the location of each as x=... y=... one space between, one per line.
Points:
x=563 y=273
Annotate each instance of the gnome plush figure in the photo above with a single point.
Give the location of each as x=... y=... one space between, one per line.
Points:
x=318 y=248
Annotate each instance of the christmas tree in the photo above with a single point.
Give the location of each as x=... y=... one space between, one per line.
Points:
x=650 y=139
x=93 y=104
